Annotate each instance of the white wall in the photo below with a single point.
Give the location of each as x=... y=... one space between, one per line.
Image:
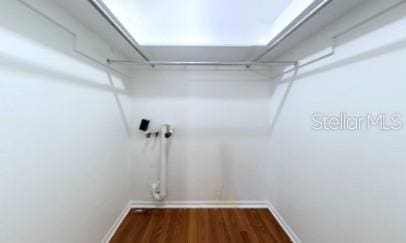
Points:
x=344 y=186
x=63 y=135
x=218 y=151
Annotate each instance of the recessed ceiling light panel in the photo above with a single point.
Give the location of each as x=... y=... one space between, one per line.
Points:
x=205 y=22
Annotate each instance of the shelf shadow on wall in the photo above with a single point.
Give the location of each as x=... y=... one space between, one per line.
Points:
x=45 y=70
x=369 y=25
x=354 y=59
x=119 y=105
x=380 y=20
x=46 y=51
x=21 y=66
x=282 y=103
x=24 y=67
x=341 y=63
x=226 y=189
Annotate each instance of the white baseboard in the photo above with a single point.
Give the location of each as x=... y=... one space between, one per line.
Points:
x=201 y=204
x=292 y=235
x=117 y=223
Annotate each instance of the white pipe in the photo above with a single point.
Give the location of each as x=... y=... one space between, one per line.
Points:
x=163 y=160
x=159 y=191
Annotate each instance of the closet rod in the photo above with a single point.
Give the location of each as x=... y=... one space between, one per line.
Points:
x=113 y=21
x=169 y=63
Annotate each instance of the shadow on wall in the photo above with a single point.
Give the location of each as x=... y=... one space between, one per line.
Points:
x=224 y=84
x=355 y=31
x=40 y=49
x=354 y=59
x=280 y=104
x=226 y=188
x=119 y=104
x=284 y=83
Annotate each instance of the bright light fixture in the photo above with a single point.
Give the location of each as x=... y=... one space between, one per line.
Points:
x=205 y=22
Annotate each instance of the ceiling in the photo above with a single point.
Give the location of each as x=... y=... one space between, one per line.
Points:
x=87 y=15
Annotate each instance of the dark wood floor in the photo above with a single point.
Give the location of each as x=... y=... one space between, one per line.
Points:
x=200 y=226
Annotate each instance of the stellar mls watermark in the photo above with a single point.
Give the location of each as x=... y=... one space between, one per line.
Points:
x=344 y=121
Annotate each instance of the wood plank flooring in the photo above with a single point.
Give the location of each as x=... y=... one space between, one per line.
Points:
x=200 y=226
